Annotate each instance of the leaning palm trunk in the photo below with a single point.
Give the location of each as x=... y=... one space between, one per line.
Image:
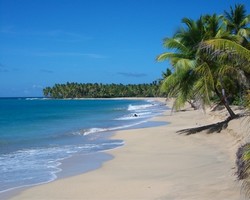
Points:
x=225 y=103
x=192 y=104
x=230 y=111
x=227 y=51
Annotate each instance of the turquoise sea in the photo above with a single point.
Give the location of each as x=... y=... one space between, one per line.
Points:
x=38 y=134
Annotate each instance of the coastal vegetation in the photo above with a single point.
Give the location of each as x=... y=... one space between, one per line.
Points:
x=210 y=59
x=210 y=62
x=95 y=90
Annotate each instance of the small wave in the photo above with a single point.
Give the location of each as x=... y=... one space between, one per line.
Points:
x=119 y=109
x=95 y=130
x=30 y=99
x=33 y=166
x=136 y=116
x=130 y=117
x=150 y=100
x=99 y=130
x=35 y=98
x=90 y=131
x=139 y=107
x=41 y=165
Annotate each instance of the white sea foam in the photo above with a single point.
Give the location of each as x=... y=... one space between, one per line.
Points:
x=129 y=117
x=45 y=163
x=139 y=107
x=31 y=166
x=99 y=130
x=44 y=167
x=30 y=99
x=35 y=98
x=94 y=130
x=137 y=112
x=136 y=116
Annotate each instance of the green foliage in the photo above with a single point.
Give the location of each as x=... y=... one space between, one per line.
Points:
x=216 y=56
x=243 y=167
x=90 y=90
x=225 y=50
x=247 y=99
x=237 y=20
x=211 y=60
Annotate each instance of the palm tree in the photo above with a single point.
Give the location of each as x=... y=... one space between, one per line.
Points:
x=237 y=21
x=227 y=51
x=76 y=90
x=195 y=75
x=234 y=57
x=166 y=74
x=182 y=58
x=221 y=57
x=47 y=91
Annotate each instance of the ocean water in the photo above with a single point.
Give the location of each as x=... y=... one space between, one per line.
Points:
x=37 y=134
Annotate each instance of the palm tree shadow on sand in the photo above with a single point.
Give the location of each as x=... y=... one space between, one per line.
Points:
x=211 y=128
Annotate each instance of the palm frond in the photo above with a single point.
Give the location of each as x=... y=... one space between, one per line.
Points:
x=244 y=32
x=169 y=56
x=184 y=64
x=173 y=43
x=180 y=83
x=224 y=47
x=236 y=19
x=188 y=22
x=205 y=84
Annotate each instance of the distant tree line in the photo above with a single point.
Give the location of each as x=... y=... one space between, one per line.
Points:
x=99 y=90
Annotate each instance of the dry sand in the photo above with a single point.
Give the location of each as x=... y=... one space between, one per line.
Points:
x=158 y=163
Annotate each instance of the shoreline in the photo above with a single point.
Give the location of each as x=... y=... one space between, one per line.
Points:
x=92 y=161
x=159 y=163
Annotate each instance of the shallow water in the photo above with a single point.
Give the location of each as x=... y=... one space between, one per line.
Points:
x=38 y=135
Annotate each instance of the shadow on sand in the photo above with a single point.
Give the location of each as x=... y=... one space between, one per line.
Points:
x=211 y=128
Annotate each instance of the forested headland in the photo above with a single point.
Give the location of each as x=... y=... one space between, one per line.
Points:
x=99 y=90
x=210 y=63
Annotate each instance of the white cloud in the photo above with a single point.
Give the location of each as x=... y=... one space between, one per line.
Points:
x=37 y=86
x=52 y=54
x=130 y=74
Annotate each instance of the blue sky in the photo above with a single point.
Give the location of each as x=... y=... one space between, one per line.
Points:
x=44 y=42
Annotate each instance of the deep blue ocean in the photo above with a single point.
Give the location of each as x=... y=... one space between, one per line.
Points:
x=37 y=134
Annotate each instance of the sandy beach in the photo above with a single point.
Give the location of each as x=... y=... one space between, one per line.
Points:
x=159 y=163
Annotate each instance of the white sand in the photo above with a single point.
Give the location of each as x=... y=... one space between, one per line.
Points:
x=158 y=163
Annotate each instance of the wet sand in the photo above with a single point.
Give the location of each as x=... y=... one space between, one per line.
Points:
x=158 y=163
